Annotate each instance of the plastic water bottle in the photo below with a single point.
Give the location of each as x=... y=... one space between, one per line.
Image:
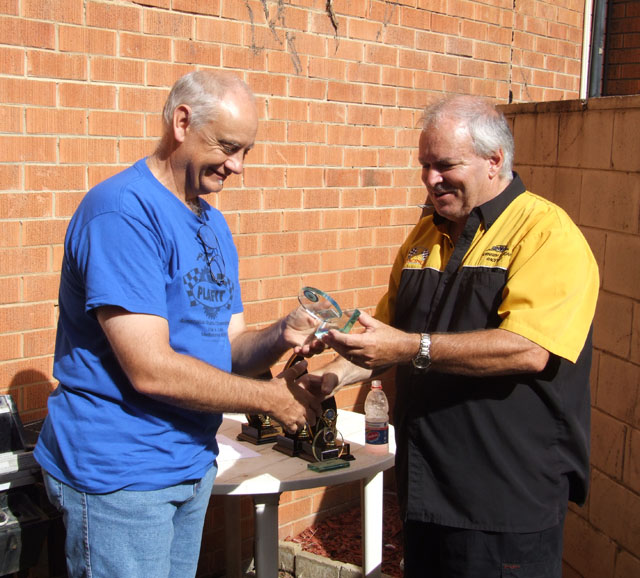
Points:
x=376 y=419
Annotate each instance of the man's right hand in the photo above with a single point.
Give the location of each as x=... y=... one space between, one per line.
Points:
x=327 y=380
x=293 y=405
x=320 y=384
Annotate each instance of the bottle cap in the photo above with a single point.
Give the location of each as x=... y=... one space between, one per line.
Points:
x=376 y=383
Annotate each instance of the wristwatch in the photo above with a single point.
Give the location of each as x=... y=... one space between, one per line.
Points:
x=422 y=361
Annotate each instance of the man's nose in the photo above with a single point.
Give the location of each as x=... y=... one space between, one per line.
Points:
x=235 y=162
x=431 y=176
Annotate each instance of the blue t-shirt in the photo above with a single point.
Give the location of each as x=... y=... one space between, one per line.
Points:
x=132 y=243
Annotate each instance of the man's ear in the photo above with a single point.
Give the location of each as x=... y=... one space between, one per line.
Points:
x=181 y=121
x=496 y=160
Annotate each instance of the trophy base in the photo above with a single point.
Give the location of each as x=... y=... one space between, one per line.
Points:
x=260 y=436
x=334 y=464
x=289 y=445
x=295 y=447
x=340 y=452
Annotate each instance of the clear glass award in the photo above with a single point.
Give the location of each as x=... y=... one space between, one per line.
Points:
x=325 y=309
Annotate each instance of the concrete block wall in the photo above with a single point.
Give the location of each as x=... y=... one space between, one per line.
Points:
x=585 y=156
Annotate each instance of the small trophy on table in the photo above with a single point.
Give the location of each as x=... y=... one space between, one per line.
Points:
x=260 y=429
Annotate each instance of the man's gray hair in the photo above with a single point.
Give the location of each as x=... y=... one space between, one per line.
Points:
x=487 y=126
x=202 y=91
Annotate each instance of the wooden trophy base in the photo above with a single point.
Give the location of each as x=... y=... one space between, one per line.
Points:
x=289 y=444
x=322 y=455
x=319 y=443
x=258 y=433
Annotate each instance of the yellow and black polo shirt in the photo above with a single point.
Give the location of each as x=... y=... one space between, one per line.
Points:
x=499 y=454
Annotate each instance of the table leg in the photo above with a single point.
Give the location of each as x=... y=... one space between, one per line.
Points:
x=266 y=534
x=233 y=537
x=372 y=507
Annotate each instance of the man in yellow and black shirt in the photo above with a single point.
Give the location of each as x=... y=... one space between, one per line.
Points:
x=488 y=317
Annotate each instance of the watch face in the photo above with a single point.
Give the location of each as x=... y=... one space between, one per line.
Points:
x=421 y=362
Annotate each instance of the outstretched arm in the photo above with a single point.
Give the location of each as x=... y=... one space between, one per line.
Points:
x=328 y=379
x=141 y=345
x=477 y=353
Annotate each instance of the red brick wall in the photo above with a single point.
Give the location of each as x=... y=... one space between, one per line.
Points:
x=622 y=48
x=331 y=188
x=584 y=156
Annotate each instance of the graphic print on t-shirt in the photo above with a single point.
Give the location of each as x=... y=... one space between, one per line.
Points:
x=203 y=290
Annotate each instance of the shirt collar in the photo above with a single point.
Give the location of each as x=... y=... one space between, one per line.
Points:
x=492 y=209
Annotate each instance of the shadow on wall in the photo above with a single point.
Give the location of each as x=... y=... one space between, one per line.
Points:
x=30 y=389
x=32 y=525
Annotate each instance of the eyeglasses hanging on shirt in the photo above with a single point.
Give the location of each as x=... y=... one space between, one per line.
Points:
x=213 y=254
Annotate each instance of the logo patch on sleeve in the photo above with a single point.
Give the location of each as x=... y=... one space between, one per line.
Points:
x=417 y=258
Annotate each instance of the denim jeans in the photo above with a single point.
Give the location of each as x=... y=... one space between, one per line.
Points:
x=130 y=534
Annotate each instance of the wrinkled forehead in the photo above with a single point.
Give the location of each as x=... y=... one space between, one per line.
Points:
x=447 y=138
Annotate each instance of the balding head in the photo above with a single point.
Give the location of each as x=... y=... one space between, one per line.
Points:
x=487 y=127
x=203 y=91
x=210 y=123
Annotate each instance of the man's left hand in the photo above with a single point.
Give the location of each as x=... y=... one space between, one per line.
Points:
x=299 y=332
x=379 y=345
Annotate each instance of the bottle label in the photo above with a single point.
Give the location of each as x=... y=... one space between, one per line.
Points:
x=377 y=433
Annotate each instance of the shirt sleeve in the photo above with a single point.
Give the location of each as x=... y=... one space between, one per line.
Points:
x=551 y=291
x=120 y=263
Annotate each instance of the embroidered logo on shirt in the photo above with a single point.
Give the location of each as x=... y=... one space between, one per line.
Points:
x=417 y=258
x=495 y=253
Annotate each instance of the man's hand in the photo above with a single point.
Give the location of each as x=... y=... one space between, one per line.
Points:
x=298 y=332
x=254 y=352
x=294 y=406
x=328 y=379
x=319 y=383
x=379 y=345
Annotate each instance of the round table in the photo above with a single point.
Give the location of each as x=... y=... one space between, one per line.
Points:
x=264 y=473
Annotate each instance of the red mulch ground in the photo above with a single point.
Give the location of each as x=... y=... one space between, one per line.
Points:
x=339 y=537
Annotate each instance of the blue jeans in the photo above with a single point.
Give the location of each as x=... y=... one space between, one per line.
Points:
x=129 y=534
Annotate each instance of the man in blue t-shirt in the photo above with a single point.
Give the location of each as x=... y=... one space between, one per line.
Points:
x=152 y=346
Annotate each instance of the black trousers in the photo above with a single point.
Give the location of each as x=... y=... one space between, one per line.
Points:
x=433 y=551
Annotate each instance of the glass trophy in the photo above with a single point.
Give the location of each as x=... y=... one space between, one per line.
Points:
x=321 y=444
x=325 y=309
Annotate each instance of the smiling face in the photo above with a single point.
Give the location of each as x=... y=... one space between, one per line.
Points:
x=208 y=154
x=457 y=179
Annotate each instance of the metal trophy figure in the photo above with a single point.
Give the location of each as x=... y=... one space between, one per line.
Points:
x=321 y=442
